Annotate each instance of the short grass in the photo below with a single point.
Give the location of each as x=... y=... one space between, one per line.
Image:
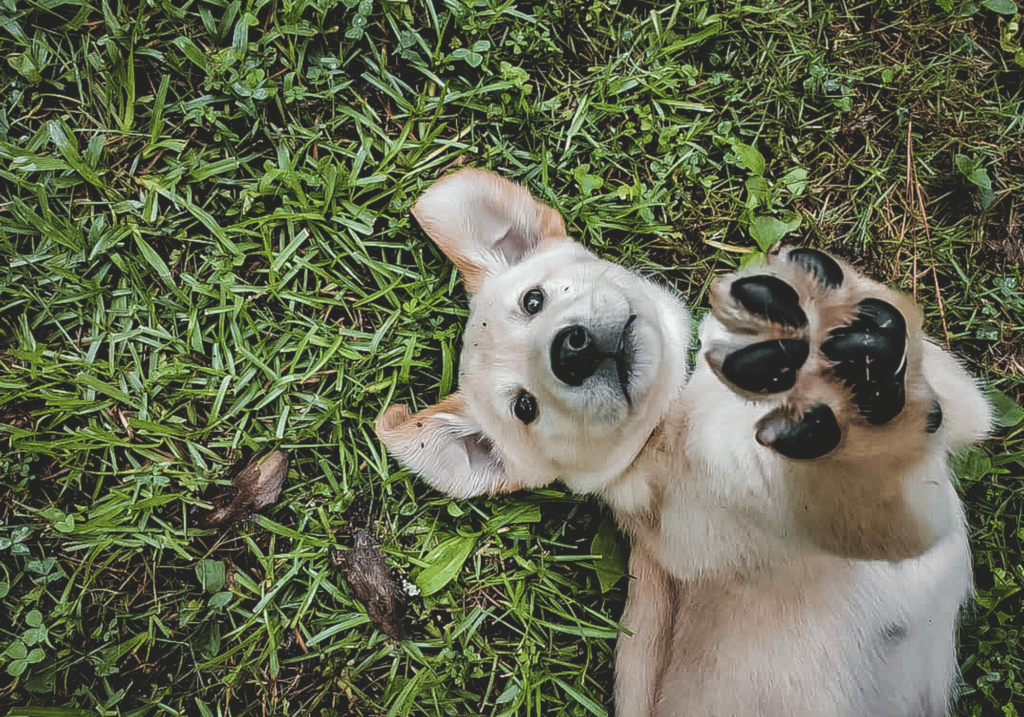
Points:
x=207 y=249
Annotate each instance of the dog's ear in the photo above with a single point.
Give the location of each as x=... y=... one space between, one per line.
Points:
x=445 y=446
x=484 y=223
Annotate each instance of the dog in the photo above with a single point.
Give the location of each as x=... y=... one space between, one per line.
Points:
x=798 y=547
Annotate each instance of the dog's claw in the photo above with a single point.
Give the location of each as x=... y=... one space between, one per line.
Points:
x=824 y=268
x=816 y=434
x=768 y=366
x=770 y=297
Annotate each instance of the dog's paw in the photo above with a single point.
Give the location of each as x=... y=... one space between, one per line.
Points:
x=834 y=346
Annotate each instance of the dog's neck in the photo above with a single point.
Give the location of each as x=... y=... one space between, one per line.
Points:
x=638 y=495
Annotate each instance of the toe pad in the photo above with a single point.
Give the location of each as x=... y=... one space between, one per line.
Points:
x=771 y=298
x=815 y=434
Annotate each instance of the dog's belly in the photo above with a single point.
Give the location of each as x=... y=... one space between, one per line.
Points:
x=820 y=636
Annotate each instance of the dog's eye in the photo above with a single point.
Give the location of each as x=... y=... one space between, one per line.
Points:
x=525 y=408
x=533 y=301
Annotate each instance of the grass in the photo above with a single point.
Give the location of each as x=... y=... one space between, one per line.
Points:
x=207 y=250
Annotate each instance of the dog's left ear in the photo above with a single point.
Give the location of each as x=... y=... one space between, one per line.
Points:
x=445 y=446
x=484 y=223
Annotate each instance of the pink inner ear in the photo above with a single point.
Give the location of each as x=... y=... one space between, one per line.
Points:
x=479 y=448
x=445 y=446
x=485 y=223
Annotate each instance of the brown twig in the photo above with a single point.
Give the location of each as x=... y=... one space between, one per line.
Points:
x=907 y=197
x=915 y=203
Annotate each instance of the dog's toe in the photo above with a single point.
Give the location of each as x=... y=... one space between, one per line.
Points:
x=771 y=298
x=819 y=264
x=767 y=366
x=870 y=354
x=814 y=434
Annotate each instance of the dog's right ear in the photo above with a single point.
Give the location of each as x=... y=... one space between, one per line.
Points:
x=445 y=446
x=484 y=223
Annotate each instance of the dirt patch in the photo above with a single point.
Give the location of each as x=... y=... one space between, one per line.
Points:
x=1004 y=239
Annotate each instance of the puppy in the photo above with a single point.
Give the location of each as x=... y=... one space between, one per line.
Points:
x=798 y=547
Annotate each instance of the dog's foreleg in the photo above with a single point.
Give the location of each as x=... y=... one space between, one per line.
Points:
x=643 y=656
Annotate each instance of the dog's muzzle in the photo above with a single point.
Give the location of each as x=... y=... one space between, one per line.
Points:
x=576 y=355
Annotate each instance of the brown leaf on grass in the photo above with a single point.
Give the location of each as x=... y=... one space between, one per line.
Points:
x=255 y=484
x=19 y=414
x=373 y=583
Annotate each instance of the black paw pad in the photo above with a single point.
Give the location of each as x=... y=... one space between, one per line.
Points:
x=870 y=355
x=816 y=434
x=880 y=401
x=872 y=347
x=933 y=421
x=825 y=269
x=768 y=366
x=770 y=297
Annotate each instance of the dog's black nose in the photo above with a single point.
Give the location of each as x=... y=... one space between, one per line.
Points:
x=574 y=355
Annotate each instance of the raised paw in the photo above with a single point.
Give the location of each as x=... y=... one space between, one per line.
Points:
x=830 y=348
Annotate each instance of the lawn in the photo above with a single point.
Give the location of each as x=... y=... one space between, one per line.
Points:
x=207 y=251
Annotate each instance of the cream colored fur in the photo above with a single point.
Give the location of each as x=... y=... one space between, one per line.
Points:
x=761 y=585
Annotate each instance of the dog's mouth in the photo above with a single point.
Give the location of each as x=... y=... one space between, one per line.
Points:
x=624 y=358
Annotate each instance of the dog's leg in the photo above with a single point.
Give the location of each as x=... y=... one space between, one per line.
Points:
x=859 y=408
x=641 y=657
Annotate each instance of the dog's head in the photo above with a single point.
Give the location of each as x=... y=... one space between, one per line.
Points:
x=568 y=361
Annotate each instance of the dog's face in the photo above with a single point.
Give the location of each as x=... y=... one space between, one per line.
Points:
x=568 y=361
x=565 y=365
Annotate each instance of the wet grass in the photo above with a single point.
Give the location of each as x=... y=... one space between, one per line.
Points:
x=207 y=250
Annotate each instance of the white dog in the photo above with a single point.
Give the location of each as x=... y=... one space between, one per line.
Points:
x=798 y=547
